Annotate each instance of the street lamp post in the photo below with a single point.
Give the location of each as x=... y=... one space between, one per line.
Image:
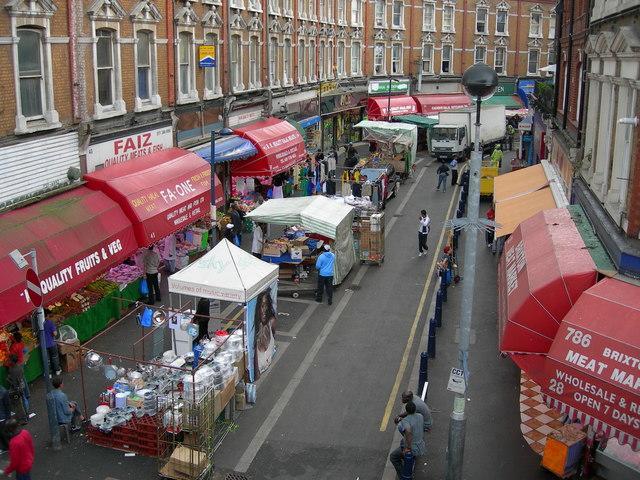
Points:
x=391 y=79
x=224 y=131
x=479 y=82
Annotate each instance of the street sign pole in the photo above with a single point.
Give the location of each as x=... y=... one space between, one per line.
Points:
x=54 y=429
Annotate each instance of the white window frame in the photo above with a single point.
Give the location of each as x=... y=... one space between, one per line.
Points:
x=449 y=28
x=380 y=13
x=323 y=12
x=321 y=57
x=236 y=72
x=274 y=7
x=274 y=79
x=287 y=8
x=400 y=16
x=485 y=29
x=311 y=56
x=287 y=62
x=341 y=53
x=356 y=13
x=302 y=10
x=192 y=96
x=379 y=59
x=212 y=74
x=39 y=33
x=118 y=106
x=529 y=72
x=552 y=26
x=506 y=22
x=504 y=60
x=477 y=49
x=551 y=55
x=255 y=6
x=356 y=59
x=442 y=60
x=342 y=12
x=329 y=6
x=429 y=70
x=397 y=62
x=312 y=10
x=153 y=102
x=239 y=4
x=50 y=118
x=532 y=33
x=302 y=62
x=329 y=58
x=254 y=63
x=428 y=17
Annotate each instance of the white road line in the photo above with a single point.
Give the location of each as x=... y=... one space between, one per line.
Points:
x=303 y=319
x=297 y=300
x=272 y=418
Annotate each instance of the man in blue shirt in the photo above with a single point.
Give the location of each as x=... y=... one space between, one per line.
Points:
x=325 y=264
x=66 y=412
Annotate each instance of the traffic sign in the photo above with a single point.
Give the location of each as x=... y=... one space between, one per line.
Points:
x=33 y=288
x=456 y=381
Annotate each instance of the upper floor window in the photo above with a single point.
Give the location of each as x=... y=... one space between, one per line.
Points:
x=552 y=26
x=30 y=73
x=321 y=69
x=312 y=9
x=273 y=61
x=302 y=11
x=105 y=67
x=330 y=68
x=502 y=18
x=447 y=59
x=286 y=62
x=396 y=58
x=552 y=55
x=535 y=25
x=274 y=7
x=341 y=50
x=380 y=13
x=323 y=13
x=330 y=10
x=312 y=60
x=499 y=64
x=379 y=59
x=427 y=58
x=448 y=18
x=481 y=20
x=143 y=66
x=534 y=61
x=212 y=74
x=254 y=63
x=480 y=54
x=287 y=7
x=429 y=17
x=398 y=14
x=356 y=58
x=236 y=62
x=356 y=12
x=342 y=11
x=301 y=62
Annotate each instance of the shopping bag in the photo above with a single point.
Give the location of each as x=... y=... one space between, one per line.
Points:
x=144 y=288
x=146 y=318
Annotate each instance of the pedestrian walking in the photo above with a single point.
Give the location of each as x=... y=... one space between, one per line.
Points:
x=50 y=332
x=491 y=215
x=325 y=265
x=258 y=240
x=21 y=452
x=443 y=173
x=412 y=429
x=510 y=134
x=151 y=262
x=236 y=219
x=424 y=225
x=454 y=171
x=496 y=157
x=421 y=408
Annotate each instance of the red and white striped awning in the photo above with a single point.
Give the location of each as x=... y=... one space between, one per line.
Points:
x=598 y=425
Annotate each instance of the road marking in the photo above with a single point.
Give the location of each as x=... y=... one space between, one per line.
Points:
x=297 y=300
x=272 y=418
x=405 y=356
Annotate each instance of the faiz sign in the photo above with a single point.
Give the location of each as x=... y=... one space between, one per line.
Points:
x=124 y=149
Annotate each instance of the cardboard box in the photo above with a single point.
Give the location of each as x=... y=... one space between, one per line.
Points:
x=272 y=250
x=70 y=362
x=224 y=396
x=299 y=242
x=241 y=365
x=188 y=460
x=296 y=253
x=69 y=347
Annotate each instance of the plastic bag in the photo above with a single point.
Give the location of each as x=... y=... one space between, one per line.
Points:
x=146 y=318
x=67 y=333
x=144 y=288
x=251 y=393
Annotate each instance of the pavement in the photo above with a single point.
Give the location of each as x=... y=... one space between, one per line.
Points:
x=325 y=408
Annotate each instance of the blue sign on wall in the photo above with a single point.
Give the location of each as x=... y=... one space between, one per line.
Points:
x=527 y=85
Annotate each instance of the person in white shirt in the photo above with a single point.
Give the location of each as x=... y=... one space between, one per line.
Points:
x=454 y=171
x=258 y=240
x=423 y=230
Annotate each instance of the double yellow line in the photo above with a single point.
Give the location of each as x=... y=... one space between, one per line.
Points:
x=393 y=397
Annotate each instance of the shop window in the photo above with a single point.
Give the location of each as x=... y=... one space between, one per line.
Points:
x=356 y=58
x=427 y=58
x=499 y=63
x=448 y=12
x=212 y=74
x=480 y=54
x=535 y=24
x=396 y=59
x=381 y=13
x=502 y=19
x=301 y=62
x=481 y=20
x=534 y=60
x=312 y=60
x=447 y=59
x=287 y=79
x=254 y=63
x=321 y=68
x=429 y=17
x=236 y=63
x=397 y=20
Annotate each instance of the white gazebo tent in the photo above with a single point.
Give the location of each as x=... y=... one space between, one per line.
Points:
x=316 y=214
x=224 y=273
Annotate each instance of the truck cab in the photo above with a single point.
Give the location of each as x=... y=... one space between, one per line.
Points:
x=449 y=141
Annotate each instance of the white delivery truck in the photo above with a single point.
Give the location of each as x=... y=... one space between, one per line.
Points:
x=455 y=132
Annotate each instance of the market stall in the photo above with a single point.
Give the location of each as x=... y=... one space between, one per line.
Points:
x=314 y=215
x=397 y=143
x=379 y=108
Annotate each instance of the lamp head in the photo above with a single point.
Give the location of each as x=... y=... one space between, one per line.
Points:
x=480 y=80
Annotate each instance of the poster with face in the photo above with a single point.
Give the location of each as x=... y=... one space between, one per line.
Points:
x=260 y=320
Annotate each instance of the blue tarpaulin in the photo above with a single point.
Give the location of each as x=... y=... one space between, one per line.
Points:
x=309 y=122
x=228 y=149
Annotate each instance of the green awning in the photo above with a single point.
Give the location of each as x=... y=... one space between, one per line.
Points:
x=509 y=101
x=298 y=127
x=421 y=121
x=598 y=253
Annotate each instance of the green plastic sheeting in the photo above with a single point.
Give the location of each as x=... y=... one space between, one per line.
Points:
x=596 y=249
x=511 y=102
x=422 y=121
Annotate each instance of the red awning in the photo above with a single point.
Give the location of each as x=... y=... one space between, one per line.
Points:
x=161 y=192
x=280 y=146
x=77 y=235
x=434 y=103
x=544 y=269
x=218 y=191
x=377 y=107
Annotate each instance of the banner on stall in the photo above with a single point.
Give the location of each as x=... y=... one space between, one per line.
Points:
x=261 y=314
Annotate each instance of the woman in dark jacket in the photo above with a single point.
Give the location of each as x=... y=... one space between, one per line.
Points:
x=202 y=317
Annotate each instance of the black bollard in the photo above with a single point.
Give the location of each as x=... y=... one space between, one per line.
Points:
x=424 y=371
x=431 y=344
x=458 y=214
